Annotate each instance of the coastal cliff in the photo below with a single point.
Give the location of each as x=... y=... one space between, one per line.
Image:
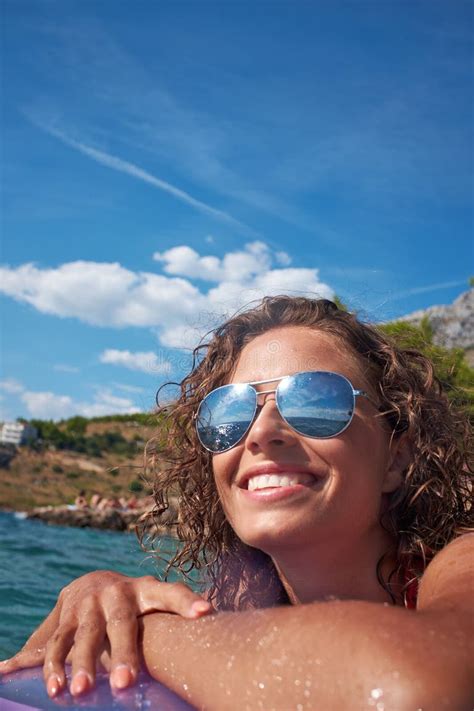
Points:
x=452 y=324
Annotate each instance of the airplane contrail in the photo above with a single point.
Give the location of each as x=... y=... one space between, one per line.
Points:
x=123 y=166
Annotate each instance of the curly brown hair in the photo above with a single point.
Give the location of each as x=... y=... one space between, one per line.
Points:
x=429 y=509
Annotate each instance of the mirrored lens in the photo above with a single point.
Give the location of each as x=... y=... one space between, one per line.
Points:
x=224 y=416
x=316 y=404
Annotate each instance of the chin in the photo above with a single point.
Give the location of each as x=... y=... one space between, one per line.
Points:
x=274 y=537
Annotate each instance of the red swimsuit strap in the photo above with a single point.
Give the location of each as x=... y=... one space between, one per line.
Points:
x=411 y=594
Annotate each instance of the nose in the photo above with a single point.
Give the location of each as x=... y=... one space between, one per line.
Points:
x=269 y=429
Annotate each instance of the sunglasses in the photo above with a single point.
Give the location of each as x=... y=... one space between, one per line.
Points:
x=318 y=404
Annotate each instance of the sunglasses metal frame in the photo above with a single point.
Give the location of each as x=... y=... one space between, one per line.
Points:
x=355 y=393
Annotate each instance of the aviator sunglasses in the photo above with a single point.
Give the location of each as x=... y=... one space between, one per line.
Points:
x=318 y=404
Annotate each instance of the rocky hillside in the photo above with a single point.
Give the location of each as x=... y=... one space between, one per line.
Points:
x=54 y=476
x=453 y=324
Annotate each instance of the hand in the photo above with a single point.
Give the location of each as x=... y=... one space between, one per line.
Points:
x=96 y=613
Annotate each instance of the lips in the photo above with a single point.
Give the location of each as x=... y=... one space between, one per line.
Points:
x=270 y=473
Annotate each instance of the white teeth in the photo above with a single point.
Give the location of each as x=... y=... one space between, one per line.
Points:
x=272 y=481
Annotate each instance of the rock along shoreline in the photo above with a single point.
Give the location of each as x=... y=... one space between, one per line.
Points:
x=108 y=519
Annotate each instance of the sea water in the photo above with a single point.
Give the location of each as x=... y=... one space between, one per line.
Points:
x=37 y=560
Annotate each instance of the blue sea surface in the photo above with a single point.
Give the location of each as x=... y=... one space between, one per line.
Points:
x=37 y=560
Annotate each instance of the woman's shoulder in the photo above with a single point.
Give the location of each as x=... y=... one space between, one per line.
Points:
x=449 y=577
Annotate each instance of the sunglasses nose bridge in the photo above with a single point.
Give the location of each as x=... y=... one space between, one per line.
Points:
x=268 y=425
x=262 y=396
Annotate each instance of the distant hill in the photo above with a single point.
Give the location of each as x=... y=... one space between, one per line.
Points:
x=100 y=456
x=452 y=325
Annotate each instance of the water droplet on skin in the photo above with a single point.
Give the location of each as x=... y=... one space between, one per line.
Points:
x=299 y=707
x=261 y=685
x=307 y=693
x=297 y=682
x=376 y=693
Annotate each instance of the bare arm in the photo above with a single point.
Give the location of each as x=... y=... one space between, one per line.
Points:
x=349 y=655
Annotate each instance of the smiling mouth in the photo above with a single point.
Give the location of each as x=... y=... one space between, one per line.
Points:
x=276 y=481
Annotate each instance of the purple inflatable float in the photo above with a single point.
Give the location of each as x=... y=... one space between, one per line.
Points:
x=25 y=691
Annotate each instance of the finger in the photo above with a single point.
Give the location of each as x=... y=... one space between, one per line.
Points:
x=88 y=643
x=33 y=651
x=170 y=597
x=122 y=633
x=24 y=659
x=56 y=652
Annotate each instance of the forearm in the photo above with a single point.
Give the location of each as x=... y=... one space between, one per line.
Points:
x=349 y=655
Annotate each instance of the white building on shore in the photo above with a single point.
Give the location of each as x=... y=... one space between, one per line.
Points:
x=17 y=433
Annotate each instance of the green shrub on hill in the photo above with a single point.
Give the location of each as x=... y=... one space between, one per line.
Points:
x=70 y=435
x=140 y=418
x=450 y=364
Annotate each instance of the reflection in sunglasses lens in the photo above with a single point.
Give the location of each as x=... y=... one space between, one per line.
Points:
x=317 y=404
x=225 y=416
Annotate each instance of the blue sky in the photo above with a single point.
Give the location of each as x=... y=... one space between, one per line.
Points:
x=167 y=162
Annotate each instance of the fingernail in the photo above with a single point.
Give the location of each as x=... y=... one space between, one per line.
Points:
x=52 y=685
x=80 y=682
x=121 y=676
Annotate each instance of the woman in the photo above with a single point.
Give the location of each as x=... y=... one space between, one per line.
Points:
x=322 y=475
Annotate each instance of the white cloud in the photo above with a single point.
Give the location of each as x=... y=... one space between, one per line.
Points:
x=427 y=289
x=12 y=386
x=101 y=293
x=63 y=368
x=106 y=402
x=107 y=294
x=47 y=405
x=129 y=388
x=255 y=258
x=283 y=258
x=185 y=261
x=145 y=361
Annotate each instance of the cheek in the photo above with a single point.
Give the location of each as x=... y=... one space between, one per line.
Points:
x=358 y=456
x=222 y=466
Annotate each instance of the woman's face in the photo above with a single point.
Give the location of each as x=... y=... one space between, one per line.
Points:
x=340 y=480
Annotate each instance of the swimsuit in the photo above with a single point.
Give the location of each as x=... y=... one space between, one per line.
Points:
x=411 y=594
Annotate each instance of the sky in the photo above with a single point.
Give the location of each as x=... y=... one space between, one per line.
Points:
x=166 y=163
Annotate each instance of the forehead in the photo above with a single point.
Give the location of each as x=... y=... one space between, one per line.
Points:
x=293 y=349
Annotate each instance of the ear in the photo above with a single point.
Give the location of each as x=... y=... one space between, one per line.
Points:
x=400 y=456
